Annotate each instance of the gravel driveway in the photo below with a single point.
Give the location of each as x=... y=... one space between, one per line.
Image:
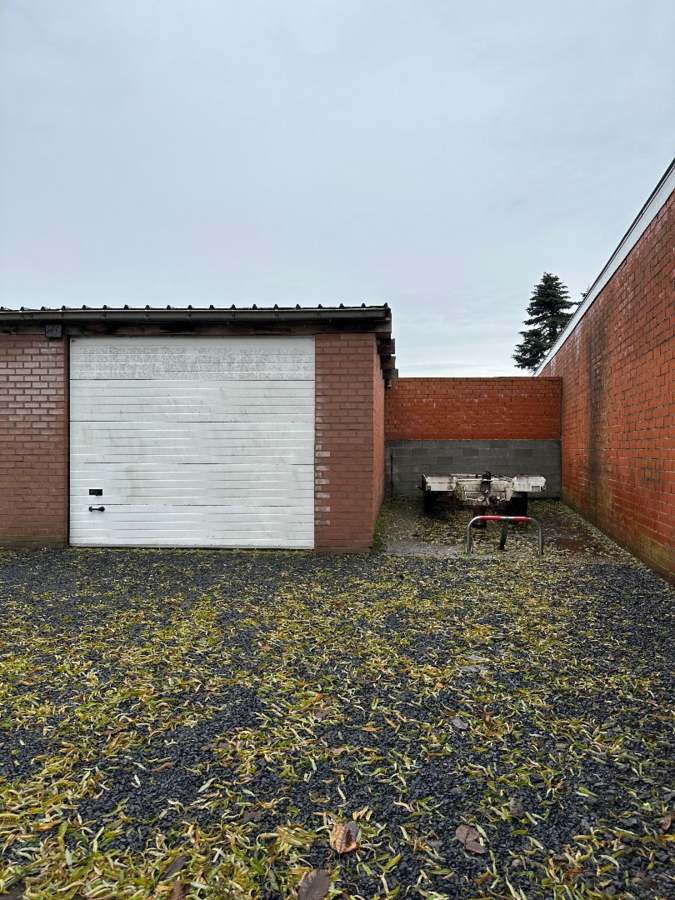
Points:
x=195 y=723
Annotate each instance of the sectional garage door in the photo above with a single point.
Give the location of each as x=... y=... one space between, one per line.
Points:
x=192 y=442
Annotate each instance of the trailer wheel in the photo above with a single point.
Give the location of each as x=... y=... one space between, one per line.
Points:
x=429 y=502
x=517 y=505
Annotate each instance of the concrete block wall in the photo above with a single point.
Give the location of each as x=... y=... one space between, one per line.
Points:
x=407 y=461
x=618 y=412
x=33 y=441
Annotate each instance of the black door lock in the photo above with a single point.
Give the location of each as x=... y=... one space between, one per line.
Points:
x=95 y=492
x=97 y=509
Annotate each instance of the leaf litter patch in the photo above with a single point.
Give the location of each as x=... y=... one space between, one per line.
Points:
x=265 y=725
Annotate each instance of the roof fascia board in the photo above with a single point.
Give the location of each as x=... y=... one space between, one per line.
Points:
x=353 y=314
x=641 y=223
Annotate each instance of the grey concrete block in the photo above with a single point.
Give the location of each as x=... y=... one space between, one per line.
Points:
x=407 y=460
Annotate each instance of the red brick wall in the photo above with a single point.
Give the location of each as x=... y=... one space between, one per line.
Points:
x=618 y=370
x=378 y=436
x=33 y=441
x=349 y=461
x=427 y=409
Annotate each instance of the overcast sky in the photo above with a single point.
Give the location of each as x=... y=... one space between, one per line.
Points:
x=435 y=155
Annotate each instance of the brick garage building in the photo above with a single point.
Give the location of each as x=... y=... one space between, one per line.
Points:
x=252 y=428
x=617 y=363
x=327 y=439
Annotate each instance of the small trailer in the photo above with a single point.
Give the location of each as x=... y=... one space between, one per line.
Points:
x=493 y=498
x=481 y=491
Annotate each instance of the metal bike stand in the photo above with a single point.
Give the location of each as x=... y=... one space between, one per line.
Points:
x=505 y=524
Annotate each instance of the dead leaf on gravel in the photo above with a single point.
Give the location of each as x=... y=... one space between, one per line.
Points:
x=251 y=815
x=344 y=837
x=322 y=713
x=667 y=821
x=174 y=866
x=314 y=885
x=459 y=724
x=516 y=807
x=178 y=892
x=469 y=838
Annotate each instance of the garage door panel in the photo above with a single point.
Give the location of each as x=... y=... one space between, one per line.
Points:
x=221 y=433
x=199 y=526
x=261 y=457
x=191 y=487
x=170 y=401
x=193 y=441
x=194 y=359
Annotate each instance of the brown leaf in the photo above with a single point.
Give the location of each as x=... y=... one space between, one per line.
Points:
x=322 y=713
x=314 y=885
x=667 y=821
x=516 y=807
x=344 y=837
x=459 y=724
x=178 y=892
x=174 y=866
x=251 y=815
x=474 y=847
x=469 y=838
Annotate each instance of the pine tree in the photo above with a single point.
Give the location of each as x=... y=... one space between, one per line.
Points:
x=549 y=311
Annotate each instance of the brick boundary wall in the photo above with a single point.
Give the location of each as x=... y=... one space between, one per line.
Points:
x=33 y=441
x=432 y=409
x=618 y=412
x=349 y=453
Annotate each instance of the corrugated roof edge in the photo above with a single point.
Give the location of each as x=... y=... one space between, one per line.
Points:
x=379 y=316
x=641 y=223
x=310 y=313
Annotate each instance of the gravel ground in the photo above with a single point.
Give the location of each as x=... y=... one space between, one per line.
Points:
x=195 y=723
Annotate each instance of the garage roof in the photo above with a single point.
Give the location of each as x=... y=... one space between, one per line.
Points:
x=338 y=318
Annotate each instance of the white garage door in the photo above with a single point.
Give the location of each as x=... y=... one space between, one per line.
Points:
x=192 y=442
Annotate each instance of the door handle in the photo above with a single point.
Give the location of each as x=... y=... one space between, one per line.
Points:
x=97 y=509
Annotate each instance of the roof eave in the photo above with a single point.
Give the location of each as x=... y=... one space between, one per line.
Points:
x=261 y=316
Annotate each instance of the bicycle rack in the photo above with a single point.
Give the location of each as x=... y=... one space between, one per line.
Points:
x=505 y=524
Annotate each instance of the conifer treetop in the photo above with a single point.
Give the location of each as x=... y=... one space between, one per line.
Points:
x=549 y=310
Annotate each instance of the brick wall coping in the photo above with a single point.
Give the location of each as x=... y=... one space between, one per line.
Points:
x=655 y=202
